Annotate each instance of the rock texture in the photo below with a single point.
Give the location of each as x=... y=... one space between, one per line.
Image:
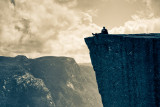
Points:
x=47 y=82
x=127 y=69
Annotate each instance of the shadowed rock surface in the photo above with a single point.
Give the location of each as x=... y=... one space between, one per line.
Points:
x=47 y=82
x=127 y=68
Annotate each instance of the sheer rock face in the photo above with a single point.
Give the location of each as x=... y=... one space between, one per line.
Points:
x=127 y=69
x=46 y=82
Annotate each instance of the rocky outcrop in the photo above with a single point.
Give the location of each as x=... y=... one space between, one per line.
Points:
x=19 y=88
x=127 y=68
x=46 y=82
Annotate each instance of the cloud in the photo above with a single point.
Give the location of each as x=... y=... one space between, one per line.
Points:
x=138 y=25
x=151 y=6
x=68 y=3
x=155 y=6
x=37 y=28
x=145 y=21
x=58 y=27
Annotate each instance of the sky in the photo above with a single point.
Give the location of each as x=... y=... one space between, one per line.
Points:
x=38 y=28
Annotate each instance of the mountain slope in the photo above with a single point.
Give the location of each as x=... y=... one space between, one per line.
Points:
x=47 y=82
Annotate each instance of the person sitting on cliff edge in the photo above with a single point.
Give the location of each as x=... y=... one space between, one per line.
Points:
x=104 y=31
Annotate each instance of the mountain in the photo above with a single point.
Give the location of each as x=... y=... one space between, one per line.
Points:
x=127 y=68
x=47 y=82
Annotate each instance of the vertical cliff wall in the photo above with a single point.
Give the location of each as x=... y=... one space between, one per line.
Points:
x=127 y=69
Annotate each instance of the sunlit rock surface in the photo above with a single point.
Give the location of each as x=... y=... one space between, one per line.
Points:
x=47 y=82
x=127 y=68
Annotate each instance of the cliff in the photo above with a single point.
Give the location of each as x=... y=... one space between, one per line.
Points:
x=47 y=82
x=127 y=68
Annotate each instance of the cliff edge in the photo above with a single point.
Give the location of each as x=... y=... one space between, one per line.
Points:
x=127 y=68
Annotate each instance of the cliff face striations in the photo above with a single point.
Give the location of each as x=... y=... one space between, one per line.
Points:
x=127 y=68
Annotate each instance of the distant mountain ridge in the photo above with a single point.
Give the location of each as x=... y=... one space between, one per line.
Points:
x=47 y=82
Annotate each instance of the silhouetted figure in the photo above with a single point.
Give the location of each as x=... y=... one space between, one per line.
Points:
x=104 y=31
